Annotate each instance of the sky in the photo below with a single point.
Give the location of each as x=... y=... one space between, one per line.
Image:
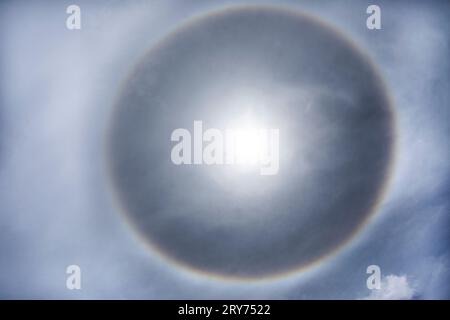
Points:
x=72 y=122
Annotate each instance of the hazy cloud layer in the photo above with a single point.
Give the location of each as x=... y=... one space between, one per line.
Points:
x=56 y=207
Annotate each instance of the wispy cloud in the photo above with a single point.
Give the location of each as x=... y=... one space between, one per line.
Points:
x=393 y=288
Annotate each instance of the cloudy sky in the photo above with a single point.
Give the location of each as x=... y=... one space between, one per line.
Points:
x=59 y=202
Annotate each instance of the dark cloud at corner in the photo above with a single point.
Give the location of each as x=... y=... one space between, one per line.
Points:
x=62 y=91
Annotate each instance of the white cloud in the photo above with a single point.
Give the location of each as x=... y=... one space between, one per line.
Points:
x=393 y=288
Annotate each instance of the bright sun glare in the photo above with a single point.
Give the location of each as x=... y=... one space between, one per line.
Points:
x=250 y=145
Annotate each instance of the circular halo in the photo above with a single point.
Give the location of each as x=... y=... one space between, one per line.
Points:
x=233 y=31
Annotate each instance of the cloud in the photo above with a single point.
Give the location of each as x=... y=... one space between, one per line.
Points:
x=393 y=288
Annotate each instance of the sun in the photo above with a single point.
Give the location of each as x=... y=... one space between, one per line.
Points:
x=250 y=145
